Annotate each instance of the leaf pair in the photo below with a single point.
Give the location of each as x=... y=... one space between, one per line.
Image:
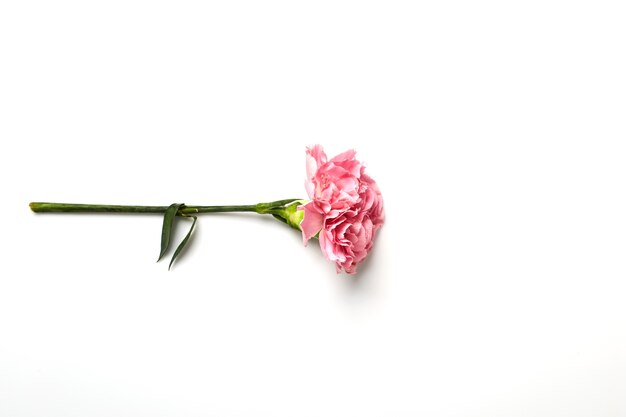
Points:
x=166 y=234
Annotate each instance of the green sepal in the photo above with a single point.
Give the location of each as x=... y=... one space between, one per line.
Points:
x=289 y=213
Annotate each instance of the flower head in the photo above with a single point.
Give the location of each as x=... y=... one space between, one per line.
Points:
x=346 y=207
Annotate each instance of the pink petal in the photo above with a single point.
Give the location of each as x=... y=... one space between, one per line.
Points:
x=311 y=166
x=329 y=249
x=312 y=222
x=345 y=156
x=315 y=159
x=351 y=269
x=310 y=188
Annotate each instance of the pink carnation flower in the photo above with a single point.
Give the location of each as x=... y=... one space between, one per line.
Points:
x=346 y=207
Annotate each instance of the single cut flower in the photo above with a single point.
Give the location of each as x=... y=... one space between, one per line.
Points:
x=344 y=211
x=346 y=207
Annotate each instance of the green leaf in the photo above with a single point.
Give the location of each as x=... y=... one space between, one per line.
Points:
x=180 y=247
x=168 y=222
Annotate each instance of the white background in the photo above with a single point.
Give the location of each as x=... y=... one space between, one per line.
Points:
x=495 y=130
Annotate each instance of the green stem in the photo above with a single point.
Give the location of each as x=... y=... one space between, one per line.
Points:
x=261 y=208
x=282 y=209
